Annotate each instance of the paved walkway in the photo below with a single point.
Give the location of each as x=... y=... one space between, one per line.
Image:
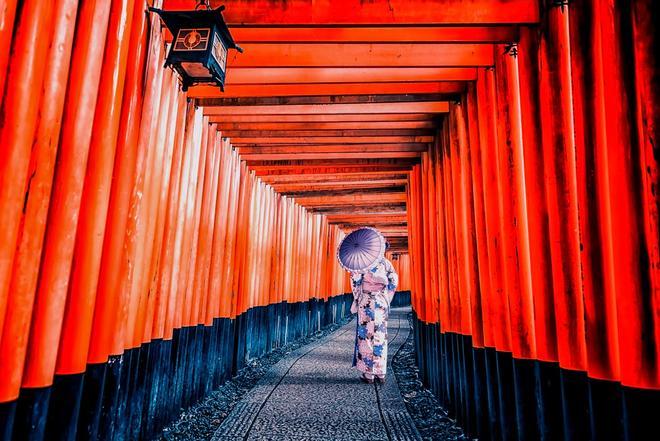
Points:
x=315 y=394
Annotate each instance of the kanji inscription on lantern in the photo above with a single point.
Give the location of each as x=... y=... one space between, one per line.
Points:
x=192 y=40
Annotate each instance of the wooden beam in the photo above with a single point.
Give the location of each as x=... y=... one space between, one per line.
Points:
x=363 y=117
x=262 y=170
x=339 y=163
x=282 y=90
x=306 y=156
x=374 y=12
x=362 y=55
x=331 y=99
x=358 y=218
x=373 y=221
x=325 y=155
x=373 y=34
x=361 y=198
x=306 y=109
x=348 y=125
x=393 y=234
x=337 y=185
x=345 y=74
x=361 y=209
x=349 y=133
x=333 y=176
x=371 y=218
x=343 y=191
x=333 y=148
x=331 y=140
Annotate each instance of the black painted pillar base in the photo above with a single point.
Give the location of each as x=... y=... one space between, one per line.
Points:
x=641 y=414
x=496 y=397
x=92 y=401
x=481 y=428
x=134 y=395
x=524 y=381
x=575 y=405
x=65 y=401
x=605 y=410
x=32 y=414
x=493 y=393
x=7 y=415
x=111 y=393
x=548 y=397
x=506 y=396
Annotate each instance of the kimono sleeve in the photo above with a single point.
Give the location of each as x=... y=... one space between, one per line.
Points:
x=356 y=284
x=392 y=279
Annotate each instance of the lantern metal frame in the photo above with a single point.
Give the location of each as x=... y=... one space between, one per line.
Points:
x=200 y=45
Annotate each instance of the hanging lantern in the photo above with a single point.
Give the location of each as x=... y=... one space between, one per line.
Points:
x=201 y=41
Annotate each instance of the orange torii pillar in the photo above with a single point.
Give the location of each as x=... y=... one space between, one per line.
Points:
x=548 y=326
x=140 y=257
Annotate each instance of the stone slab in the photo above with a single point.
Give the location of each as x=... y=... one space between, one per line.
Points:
x=315 y=394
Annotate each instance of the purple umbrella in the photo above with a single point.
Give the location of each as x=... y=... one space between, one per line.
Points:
x=361 y=249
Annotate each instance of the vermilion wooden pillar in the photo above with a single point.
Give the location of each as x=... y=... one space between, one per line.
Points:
x=488 y=140
x=228 y=292
x=505 y=169
x=65 y=200
x=165 y=258
x=95 y=195
x=19 y=109
x=170 y=120
x=200 y=190
x=426 y=257
x=190 y=235
x=143 y=205
x=520 y=301
x=645 y=14
x=632 y=267
x=25 y=270
x=468 y=240
x=414 y=235
x=443 y=277
x=593 y=194
x=172 y=317
x=561 y=187
x=207 y=222
x=216 y=291
x=480 y=239
x=7 y=15
x=454 y=305
x=460 y=293
x=537 y=209
x=111 y=300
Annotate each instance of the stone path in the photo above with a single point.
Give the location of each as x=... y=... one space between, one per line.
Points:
x=315 y=394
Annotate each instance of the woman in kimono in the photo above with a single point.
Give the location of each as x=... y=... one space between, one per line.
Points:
x=372 y=293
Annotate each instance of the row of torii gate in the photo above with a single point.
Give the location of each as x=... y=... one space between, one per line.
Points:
x=153 y=240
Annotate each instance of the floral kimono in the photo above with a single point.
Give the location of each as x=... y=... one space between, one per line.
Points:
x=372 y=294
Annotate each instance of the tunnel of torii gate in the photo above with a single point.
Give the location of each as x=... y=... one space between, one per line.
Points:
x=154 y=241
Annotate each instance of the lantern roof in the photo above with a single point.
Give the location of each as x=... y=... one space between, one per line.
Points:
x=175 y=20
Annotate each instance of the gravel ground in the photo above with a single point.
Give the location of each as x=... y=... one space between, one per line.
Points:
x=200 y=422
x=429 y=416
